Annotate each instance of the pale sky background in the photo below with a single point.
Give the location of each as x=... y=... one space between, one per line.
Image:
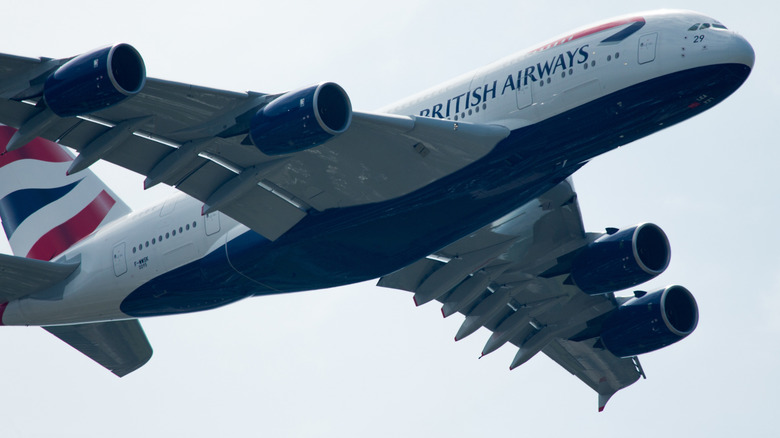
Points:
x=363 y=361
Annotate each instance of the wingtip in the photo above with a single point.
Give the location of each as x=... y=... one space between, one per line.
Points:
x=603 y=399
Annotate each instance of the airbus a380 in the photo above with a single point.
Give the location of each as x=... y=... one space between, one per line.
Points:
x=460 y=194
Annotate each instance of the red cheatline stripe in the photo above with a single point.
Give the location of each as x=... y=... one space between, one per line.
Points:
x=589 y=31
x=2 y=311
x=74 y=229
x=38 y=149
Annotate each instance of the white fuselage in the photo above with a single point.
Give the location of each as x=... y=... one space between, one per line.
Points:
x=518 y=91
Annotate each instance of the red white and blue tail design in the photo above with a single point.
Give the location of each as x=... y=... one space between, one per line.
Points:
x=44 y=211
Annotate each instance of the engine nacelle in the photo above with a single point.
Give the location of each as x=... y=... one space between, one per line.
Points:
x=622 y=260
x=650 y=321
x=95 y=80
x=301 y=119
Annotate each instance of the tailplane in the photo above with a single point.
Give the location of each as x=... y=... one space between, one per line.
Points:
x=45 y=211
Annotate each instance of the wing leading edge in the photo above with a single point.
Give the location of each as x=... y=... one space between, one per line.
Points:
x=499 y=278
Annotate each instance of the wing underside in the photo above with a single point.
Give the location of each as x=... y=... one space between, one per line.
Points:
x=506 y=277
x=194 y=138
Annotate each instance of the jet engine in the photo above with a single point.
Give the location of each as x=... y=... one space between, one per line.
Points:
x=621 y=259
x=302 y=119
x=95 y=80
x=650 y=321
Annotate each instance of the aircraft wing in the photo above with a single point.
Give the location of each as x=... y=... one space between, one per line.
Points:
x=510 y=278
x=195 y=139
x=119 y=346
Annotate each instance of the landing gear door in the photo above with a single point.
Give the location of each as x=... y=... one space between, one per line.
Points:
x=647 y=48
x=120 y=264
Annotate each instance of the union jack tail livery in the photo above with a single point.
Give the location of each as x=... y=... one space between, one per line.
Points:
x=45 y=211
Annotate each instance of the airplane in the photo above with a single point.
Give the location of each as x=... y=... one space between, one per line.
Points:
x=461 y=194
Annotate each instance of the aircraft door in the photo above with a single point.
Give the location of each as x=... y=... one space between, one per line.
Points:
x=647 y=45
x=524 y=95
x=120 y=263
x=212 y=223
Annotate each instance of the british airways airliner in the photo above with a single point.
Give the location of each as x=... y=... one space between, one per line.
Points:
x=460 y=194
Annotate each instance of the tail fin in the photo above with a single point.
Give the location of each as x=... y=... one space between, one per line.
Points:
x=43 y=210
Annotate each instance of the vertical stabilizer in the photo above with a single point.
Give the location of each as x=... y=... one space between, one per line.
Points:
x=44 y=211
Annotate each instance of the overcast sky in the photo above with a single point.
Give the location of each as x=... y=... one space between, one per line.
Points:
x=362 y=360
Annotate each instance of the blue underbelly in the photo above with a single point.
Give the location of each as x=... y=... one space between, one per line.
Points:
x=348 y=245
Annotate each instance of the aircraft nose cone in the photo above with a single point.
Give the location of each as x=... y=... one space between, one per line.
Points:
x=741 y=51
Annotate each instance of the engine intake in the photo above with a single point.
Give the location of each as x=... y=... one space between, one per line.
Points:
x=650 y=321
x=95 y=81
x=302 y=119
x=621 y=260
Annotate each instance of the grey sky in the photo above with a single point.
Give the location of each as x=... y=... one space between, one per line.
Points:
x=363 y=361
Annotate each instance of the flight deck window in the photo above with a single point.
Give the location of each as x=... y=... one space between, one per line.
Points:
x=717 y=25
x=694 y=27
x=705 y=26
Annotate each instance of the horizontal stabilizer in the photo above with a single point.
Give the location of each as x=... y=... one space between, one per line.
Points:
x=20 y=276
x=119 y=346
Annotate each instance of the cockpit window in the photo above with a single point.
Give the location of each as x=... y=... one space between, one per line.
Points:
x=702 y=26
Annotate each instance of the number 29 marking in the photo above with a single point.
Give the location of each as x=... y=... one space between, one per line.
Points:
x=698 y=38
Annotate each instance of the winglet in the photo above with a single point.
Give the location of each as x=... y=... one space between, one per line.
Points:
x=603 y=399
